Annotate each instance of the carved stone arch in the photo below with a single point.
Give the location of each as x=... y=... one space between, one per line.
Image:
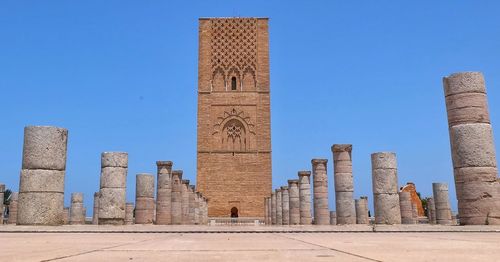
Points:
x=234 y=135
x=218 y=80
x=249 y=83
x=234 y=73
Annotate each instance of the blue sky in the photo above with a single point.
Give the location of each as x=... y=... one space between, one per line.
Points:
x=122 y=76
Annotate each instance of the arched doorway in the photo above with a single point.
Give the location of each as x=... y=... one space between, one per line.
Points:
x=234 y=212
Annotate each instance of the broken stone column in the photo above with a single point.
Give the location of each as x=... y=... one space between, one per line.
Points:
x=14 y=198
x=293 y=194
x=279 y=207
x=114 y=167
x=185 y=202
x=344 y=189
x=442 y=203
x=473 y=149
x=385 y=188
x=414 y=209
x=2 y=190
x=320 y=191
x=129 y=214
x=431 y=211
x=273 y=208
x=66 y=215
x=164 y=193
x=76 y=211
x=176 y=197
x=333 y=218
x=361 y=206
x=95 y=210
x=406 y=208
x=192 y=204
x=41 y=187
x=144 y=198
x=285 y=206
x=305 y=197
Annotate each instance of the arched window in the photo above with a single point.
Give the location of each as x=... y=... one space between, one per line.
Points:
x=233 y=83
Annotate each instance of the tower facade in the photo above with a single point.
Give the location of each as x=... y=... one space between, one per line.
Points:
x=234 y=129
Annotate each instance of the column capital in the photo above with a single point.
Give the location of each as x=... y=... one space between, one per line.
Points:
x=341 y=148
x=304 y=173
x=164 y=163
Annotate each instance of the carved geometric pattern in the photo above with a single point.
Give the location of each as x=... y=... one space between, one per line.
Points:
x=233 y=114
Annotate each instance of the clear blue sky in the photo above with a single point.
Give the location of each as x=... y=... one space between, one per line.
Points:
x=122 y=75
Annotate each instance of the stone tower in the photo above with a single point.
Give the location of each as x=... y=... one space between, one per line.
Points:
x=234 y=130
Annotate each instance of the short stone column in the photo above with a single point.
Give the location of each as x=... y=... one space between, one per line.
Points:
x=2 y=190
x=442 y=203
x=273 y=208
x=320 y=192
x=95 y=210
x=129 y=214
x=164 y=193
x=361 y=206
x=333 y=218
x=14 y=198
x=41 y=187
x=185 y=202
x=472 y=149
x=293 y=194
x=192 y=204
x=76 y=211
x=144 y=198
x=114 y=166
x=285 y=206
x=279 y=207
x=406 y=208
x=431 y=211
x=343 y=181
x=176 y=197
x=385 y=188
x=305 y=197
x=414 y=210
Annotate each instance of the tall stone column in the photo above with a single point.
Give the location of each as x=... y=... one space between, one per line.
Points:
x=41 y=187
x=76 y=211
x=361 y=206
x=385 y=188
x=406 y=207
x=305 y=197
x=14 y=198
x=442 y=203
x=2 y=190
x=144 y=198
x=333 y=218
x=293 y=193
x=431 y=211
x=95 y=210
x=320 y=191
x=176 y=197
x=114 y=166
x=164 y=193
x=185 y=201
x=344 y=189
x=129 y=214
x=473 y=150
x=273 y=208
x=285 y=206
x=192 y=204
x=279 y=207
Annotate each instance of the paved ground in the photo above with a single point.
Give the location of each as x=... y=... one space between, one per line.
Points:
x=264 y=246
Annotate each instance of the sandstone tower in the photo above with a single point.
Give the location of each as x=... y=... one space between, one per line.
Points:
x=234 y=131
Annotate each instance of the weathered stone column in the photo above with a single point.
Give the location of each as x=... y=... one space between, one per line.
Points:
x=95 y=210
x=305 y=197
x=333 y=218
x=14 y=198
x=197 y=210
x=279 y=207
x=129 y=214
x=114 y=167
x=144 y=198
x=385 y=188
x=76 y=211
x=473 y=150
x=204 y=210
x=273 y=208
x=41 y=188
x=185 y=201
x=414 y=210
x=164 y=193
x=431 y=211
x=406 y=208
x=361 y=205
x=442 y=203
x=285 y=206
x=269 y=222
x=320 y=191
x=344 y=189
x=176 y=197
x=293 y=193
x=2 y=190
x=192 y=204
x=66 y=215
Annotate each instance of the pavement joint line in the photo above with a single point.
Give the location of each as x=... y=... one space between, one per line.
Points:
x=333 y=249
x=210 y=250
x=237 y=231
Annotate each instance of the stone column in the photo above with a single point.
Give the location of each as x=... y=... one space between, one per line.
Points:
x=164 y=193
x=14 y=198
x=114 y=166
x=431 y=211
x=185 y=201
x=41 y=187
x=129 y=214
x=66 y=215
x=95 y=211
x=2 y=190
x=406 y=207
x=266 y=211
x=269 y=222
x=176 y=197
x=279 y=207
x=285 y=206
x=344 y=189
x=333 y=218
x=320 y=191
x=144 y=198
x=204 y=210
x=76 y=211
x=197 y=210
x=192 y=204
x=305 y=197
x=385 y=188
x=473 y=149
x=442 y=203
x=293 y=194
x=84 y=213
x=273 y=208
x=361 y=206
x=414 y=210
